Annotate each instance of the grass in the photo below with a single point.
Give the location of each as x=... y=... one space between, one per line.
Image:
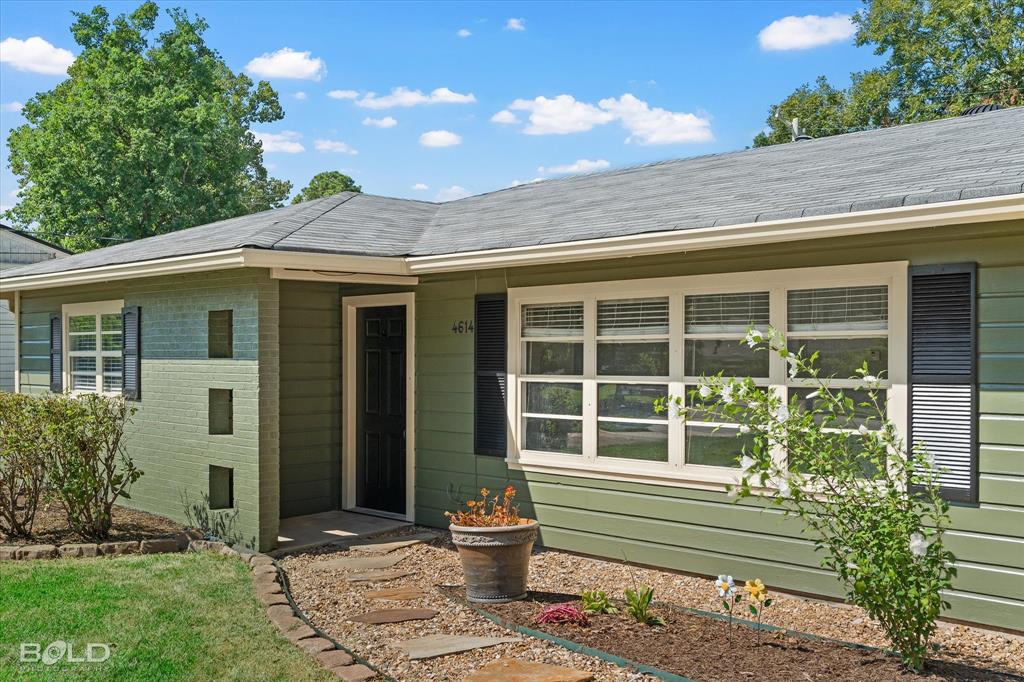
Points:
x=165 y=617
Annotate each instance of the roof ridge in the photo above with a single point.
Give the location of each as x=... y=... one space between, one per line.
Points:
x=350 y=196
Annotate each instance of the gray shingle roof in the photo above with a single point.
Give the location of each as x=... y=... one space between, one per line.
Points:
x=955 y=158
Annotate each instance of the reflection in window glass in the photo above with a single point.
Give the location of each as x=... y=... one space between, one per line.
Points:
x=548 y=357
x=82 y=323
x=862 y=464
x=716 y=446
x=861 y=415
x=704 y=357
x=840 y=358
x=629 y=440
x=633 y=359
x=563 y=436
x=544 y=398
x=631 y=401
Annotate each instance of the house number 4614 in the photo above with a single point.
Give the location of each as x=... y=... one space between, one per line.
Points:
x=462 y=327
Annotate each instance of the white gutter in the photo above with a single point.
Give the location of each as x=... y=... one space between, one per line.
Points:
x=967 y=211
x=987 y=209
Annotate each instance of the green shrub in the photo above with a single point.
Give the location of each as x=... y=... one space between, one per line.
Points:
x=842 y=468
x=596 y=601
x=22 y=464
x=88 y=466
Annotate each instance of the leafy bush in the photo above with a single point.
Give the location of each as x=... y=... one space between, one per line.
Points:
x=88 y=466
x=842 y=468
x=596 y=601
x=638 y=605
x=501 y=511
x=22 y=464
x=563 y=613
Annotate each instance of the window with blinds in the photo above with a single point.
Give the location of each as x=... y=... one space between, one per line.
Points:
x=633 y=317
x=553 y=320
x=714 y=326
x=726 y=313
x=840 y=308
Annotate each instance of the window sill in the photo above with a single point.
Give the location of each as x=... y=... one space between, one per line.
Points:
x=653 y=473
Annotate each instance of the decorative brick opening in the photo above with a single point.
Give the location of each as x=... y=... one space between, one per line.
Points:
x=220 y=334
x=221 y=411
x=222 y=487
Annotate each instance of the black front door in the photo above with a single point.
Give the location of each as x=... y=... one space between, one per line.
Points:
x=380 y=408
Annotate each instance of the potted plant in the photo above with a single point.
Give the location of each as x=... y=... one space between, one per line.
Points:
x=494 y=546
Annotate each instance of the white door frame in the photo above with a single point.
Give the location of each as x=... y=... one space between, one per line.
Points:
x=349 y=306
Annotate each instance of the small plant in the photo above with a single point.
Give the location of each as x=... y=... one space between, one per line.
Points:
x=638 y=605
x=485 y=512
x=730 y=597
x=596 y=601
x=759 y=601
x=563 y=613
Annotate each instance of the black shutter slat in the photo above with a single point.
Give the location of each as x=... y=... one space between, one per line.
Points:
x=56 y=354
x=131 y=352
x=943 y=373
x=490 y=382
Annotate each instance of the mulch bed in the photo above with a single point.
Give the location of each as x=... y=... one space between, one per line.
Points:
x=704 y=649
x=51 y=526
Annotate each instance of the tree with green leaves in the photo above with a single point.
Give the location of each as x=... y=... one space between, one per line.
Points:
x=942 y=56
x=149 y=134
x=325 y=184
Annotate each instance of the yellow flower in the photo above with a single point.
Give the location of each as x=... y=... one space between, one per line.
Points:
x=756 y=589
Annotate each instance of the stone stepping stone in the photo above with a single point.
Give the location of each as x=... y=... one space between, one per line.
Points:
x=407 y=593
x=381 y=616
x=359 y=563
x=384 y=547
x=432 y=646
x=377 y=576
x=505 y=669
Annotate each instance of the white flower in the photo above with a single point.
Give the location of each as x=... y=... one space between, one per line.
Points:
x=727 y=394
x=870 y=379
x=852 y=566
x=813 y=394
x=784 y=488
x=746 y=463
x=782 y=413
x=726 y=586
x=754 y=337
x=793 y=367
x=863 y=429
x=744 y=428
x=731 y=491
x=918 y=545
x=704 y=391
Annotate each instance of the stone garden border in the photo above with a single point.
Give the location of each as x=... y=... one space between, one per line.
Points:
x=179 y=542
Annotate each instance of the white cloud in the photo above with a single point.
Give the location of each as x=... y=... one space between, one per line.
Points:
x=419 y=186
x=452 y=193
x=515 y=24
x=336 y=146
x=504 y=116
x=580 y=166
x=440 y=138
x=404 y=97
x=648 y=125
x=343 y=94
x=35 y=55
x=287 y=63
x=386 y=122
x=11 y=106
x=464 y=33
x=516 y=183
x=285 y=142
x=300 y=95
x=801 y=33
x=560 y=115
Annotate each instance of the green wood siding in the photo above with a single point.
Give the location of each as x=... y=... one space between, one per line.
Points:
x=702 y=531
x=310 y=397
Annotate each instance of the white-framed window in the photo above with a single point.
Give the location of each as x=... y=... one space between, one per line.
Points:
x=93 y=361
x=587 y=361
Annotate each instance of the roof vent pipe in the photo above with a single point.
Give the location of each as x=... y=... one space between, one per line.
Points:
x=797 y=135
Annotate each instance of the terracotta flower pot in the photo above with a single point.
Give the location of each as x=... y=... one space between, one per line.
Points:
x=496 y=560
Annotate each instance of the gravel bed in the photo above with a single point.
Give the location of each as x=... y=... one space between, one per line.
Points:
x=329 y=601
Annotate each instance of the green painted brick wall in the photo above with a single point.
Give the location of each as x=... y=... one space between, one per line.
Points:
x=168 y=438
x=702 y=531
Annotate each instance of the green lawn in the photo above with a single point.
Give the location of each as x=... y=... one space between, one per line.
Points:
x=165 y=616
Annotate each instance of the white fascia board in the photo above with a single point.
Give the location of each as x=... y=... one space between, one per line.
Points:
x=988 y=209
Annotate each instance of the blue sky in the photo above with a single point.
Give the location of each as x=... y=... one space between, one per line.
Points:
x=610 y=84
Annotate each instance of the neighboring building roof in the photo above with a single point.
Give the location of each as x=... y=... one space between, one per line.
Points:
x=19 y=248
x=947 y=160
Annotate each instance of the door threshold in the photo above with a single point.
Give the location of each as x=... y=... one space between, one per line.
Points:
x=378 y=512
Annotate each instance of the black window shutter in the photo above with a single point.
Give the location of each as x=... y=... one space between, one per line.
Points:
x=943 y=373
x=489 y=360
x=56 y=354
x=131 y=352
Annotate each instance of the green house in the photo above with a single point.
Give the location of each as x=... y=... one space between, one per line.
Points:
x=391 y=357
